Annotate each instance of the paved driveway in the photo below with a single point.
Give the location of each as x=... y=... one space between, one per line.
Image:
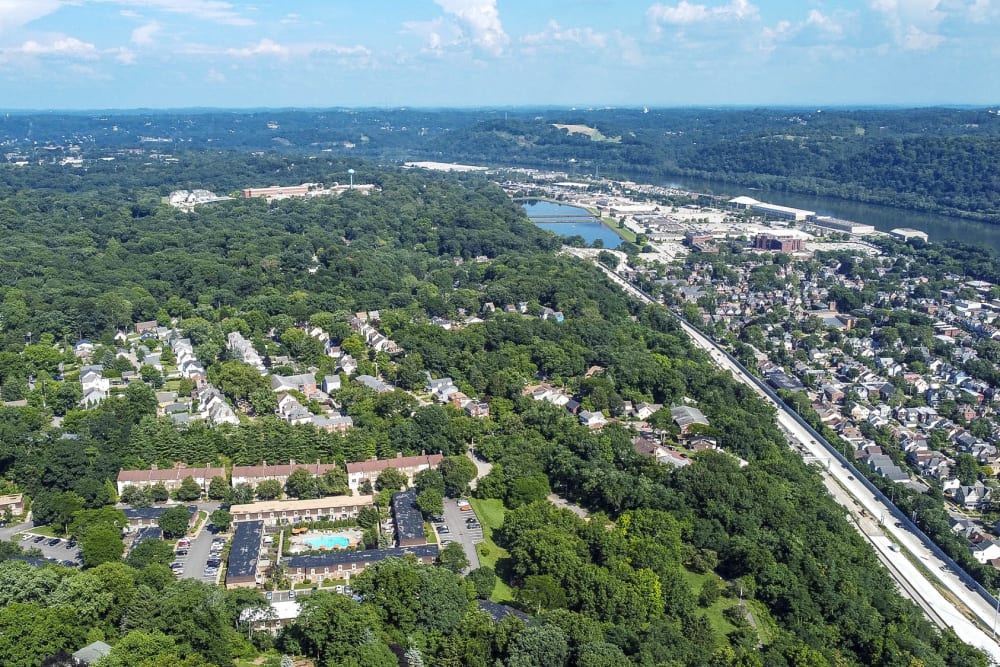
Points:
x=460 y=532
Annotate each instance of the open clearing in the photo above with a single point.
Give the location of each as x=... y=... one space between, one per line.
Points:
x=592 y=132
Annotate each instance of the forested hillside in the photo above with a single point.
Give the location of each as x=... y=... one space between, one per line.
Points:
x=661 y=573
x=939 y=160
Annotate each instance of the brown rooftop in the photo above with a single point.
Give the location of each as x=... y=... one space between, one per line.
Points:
x=377 y=465
x=177 y=472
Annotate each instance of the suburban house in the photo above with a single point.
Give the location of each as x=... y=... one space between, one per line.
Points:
x=13 y=503
x=256 y=474
x=686 y=417
x=592 y=420
x=171 y=478
x=362 y=471
x=305 y=383
x=281 y=512
x=374 y=384
x=244 y=350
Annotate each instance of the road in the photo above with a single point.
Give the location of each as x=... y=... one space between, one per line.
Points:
x=911 y=580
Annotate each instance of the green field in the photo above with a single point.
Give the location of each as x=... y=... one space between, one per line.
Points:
x=491 y=513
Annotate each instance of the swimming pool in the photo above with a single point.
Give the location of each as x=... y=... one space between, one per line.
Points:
x=327 y=542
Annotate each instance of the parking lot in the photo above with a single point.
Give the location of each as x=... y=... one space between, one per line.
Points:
x=203 y=557
x=462 y=526
x=52 y=548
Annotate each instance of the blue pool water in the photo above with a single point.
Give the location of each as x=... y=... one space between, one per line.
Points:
x=327 y=542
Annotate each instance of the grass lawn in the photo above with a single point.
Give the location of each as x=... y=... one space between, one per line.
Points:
x=623 y=232
x=719 y=623
x=491 y=513
x=48 y=531
x=429 y=532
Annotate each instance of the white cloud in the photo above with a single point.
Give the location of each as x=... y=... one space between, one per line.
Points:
x=123 y=54
x=914 y=24
x=916 y=39
x=269 y=48
x=264 y=47
x=479 y=21
x=17 y=13
x=215 y=76
x=60 y=46
x=686 y=13
x=143 y=35
x=215 y=11
x=817 y=29
x=555 y=34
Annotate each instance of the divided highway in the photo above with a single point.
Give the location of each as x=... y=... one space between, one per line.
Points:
x=881 y=530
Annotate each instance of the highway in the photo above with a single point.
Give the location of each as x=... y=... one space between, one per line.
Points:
x=881 y=534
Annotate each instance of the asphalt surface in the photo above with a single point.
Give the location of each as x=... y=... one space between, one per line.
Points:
x=198 y=555
x=58 y=551
x=460 y=531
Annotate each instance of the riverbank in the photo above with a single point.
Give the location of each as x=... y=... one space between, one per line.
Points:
x=607 y=222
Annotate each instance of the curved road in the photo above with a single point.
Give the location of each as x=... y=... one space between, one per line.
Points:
x=851 y=493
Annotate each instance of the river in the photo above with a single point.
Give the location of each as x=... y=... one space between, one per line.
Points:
x=883 y=218
x=570 y=221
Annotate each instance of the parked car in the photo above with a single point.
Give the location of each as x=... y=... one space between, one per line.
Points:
x=38 y=539
x=70 y=544
x=443 y=529
x=182 y=552
x=54 y=541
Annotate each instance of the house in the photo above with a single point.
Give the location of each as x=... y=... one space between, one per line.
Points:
x=686 y=417
x=477 y=409
x=244 y=350
x=555 y=315
x=12 y=504
x=305 y=383
x=974 y=496
x=362 y=471
x=347 y=365
x=83 y=349
x=592 y=420
x=441 y=389
x=986 y=551
x=331 y=383
x=256 y=474
x=646 y=410
x=374 y=384
x=91 y=654
x=498 y=612
x=333 y=423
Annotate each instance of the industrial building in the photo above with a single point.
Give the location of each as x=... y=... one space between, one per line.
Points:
x=838 y=225
x=775 y=211
x=907 y=234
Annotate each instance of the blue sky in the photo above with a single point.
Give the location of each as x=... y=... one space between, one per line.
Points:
x=66 y=54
